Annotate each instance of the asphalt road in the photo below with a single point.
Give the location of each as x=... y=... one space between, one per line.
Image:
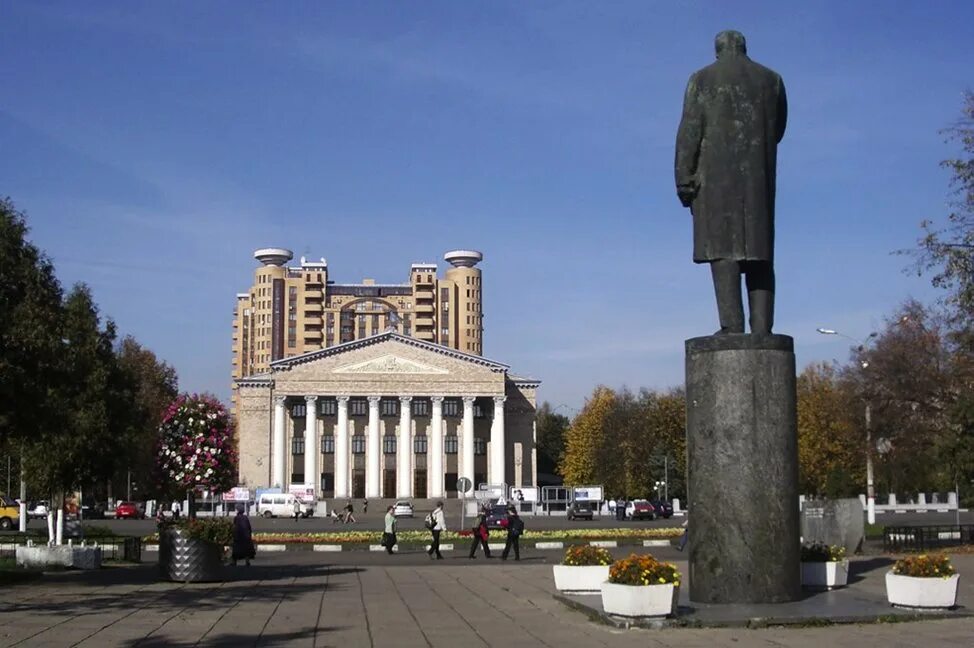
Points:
x=373 y=522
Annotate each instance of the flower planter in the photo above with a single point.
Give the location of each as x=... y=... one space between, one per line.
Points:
x=913 y=592
x=640 y=600
x=825 y=575
x=187 y=560
x=580 y=579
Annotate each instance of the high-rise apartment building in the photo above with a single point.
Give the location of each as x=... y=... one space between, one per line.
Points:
x=291 y=310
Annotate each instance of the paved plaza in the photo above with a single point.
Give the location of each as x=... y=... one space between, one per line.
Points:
x=358 y=599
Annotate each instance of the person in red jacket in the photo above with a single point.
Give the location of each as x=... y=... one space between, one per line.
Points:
x=480 y=534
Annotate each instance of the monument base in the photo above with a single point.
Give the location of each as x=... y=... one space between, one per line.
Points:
x=742 y=458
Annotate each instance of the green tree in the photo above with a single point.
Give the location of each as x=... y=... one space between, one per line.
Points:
x=149 y=386
x=831 y=448
x=948 y=250
x=92 y=407
x=550 y=428
x=585 y=439
x=30 y=343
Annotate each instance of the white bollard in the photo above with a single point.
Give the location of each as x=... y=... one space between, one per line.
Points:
x=862 y=499
x=676 y=504
x=922 y=499
x=952 y=500
x=892 y=499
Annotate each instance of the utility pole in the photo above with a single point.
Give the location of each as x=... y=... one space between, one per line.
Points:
x=23 y=493
x=666 y=478
x=128 y=490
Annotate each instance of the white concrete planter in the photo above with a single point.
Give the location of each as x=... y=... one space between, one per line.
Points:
x=584 y=579
x=59 y=556
x=825 y=575
x=640 y=600
x=910 y=591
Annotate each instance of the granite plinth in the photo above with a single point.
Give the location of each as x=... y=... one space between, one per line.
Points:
x=834 y=522
x=742 y=453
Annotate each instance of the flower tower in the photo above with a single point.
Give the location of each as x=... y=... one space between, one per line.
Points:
x=197 y=450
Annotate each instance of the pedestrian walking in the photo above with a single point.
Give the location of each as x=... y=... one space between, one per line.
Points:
x=349 y=509
x=389 y=534
x=686 y=535
x=365 y=507
x=436 y=523
x=176 y=509
x=621 y=509
x=515 y=527
x=243 y=538
x=480 y=535
x=297 y=509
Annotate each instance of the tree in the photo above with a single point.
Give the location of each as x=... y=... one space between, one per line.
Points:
x=30 y=343
x=88 y=399
x=550 y=428
x=585 y=438
x=948 y=251
x=831 y=448
x=151 y=386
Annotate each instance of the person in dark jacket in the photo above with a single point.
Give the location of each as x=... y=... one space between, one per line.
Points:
x=480 y=535
x=515 y=527
x=243 y=538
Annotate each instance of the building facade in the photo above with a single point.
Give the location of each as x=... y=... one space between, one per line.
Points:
x=291 y=310
x=388 y=415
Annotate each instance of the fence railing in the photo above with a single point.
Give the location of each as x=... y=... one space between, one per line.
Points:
x=924 y=538
x=127 y=548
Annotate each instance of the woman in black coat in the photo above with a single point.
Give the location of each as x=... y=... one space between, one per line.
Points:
x=243 y=537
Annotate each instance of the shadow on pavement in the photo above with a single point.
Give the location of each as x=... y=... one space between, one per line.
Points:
x=857 y=568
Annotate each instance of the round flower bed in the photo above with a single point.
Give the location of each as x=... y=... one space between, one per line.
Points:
x=583 y=570
x=922 y=582
x=641 y=586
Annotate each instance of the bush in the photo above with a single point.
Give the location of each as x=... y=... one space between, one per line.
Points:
x=643 y=570
x=586 y=556
x=924 y=566
x=216 y=530
x=821 y=552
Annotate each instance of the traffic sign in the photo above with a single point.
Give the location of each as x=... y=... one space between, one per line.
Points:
x=464 y=485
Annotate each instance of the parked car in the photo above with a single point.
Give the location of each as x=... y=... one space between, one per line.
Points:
x=281 y=505
x=9 y=513
x=581 y=511
x=663 y=509
x=38 y=509
x=402 y=509
x=128 y=510
x=642 y=510
x=497 y=517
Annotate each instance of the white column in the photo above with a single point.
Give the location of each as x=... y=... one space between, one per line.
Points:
x=342 y=490
x=312 y=476
x=435 y=449
x=278 y=460
x=373 y=452
x=466 y=441
x=497 y=447
x=404 y=450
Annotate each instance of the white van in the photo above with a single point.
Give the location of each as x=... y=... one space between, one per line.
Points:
x=281 y=505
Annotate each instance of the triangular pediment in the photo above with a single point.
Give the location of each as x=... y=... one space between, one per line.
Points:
x=389 y=364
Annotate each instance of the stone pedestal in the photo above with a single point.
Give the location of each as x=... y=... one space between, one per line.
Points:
x=742 y=453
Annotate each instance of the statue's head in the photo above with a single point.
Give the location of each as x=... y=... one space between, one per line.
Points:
x=730 y=42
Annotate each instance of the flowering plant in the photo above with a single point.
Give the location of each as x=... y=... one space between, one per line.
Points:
x=643 y=570
x=196 y=444
x=924 y=566
x=586 y=555
x=216 y=530
x=821 y=552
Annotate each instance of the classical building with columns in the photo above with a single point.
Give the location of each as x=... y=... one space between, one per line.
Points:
x=386 y=416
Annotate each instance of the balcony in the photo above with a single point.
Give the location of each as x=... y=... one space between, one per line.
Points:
x=425 y=307
x=424 y=335
x=312 y=334
x=315 y=306
x=424 y=321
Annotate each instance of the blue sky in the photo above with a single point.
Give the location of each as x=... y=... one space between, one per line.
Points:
x=155 y=145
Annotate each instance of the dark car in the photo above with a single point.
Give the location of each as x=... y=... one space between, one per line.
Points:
x=497 y=517
x=643 y=510
x=581 y=511
x=663 y=509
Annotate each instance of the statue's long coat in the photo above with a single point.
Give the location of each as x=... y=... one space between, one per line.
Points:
x=734 y=115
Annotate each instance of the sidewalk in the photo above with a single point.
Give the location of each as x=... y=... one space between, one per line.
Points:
x=396 y=601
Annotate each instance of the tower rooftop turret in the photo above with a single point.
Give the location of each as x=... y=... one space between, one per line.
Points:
x=463 y=258
x=273 y=256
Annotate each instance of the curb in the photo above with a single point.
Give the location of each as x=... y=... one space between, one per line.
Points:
x=271 y=547
x=604 y=543
x=657 y=543
x=326 y=547
x=549 y=545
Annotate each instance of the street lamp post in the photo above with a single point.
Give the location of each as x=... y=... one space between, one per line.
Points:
x=870 y=486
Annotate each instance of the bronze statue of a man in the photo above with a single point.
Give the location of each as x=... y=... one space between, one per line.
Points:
x=734 y=115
